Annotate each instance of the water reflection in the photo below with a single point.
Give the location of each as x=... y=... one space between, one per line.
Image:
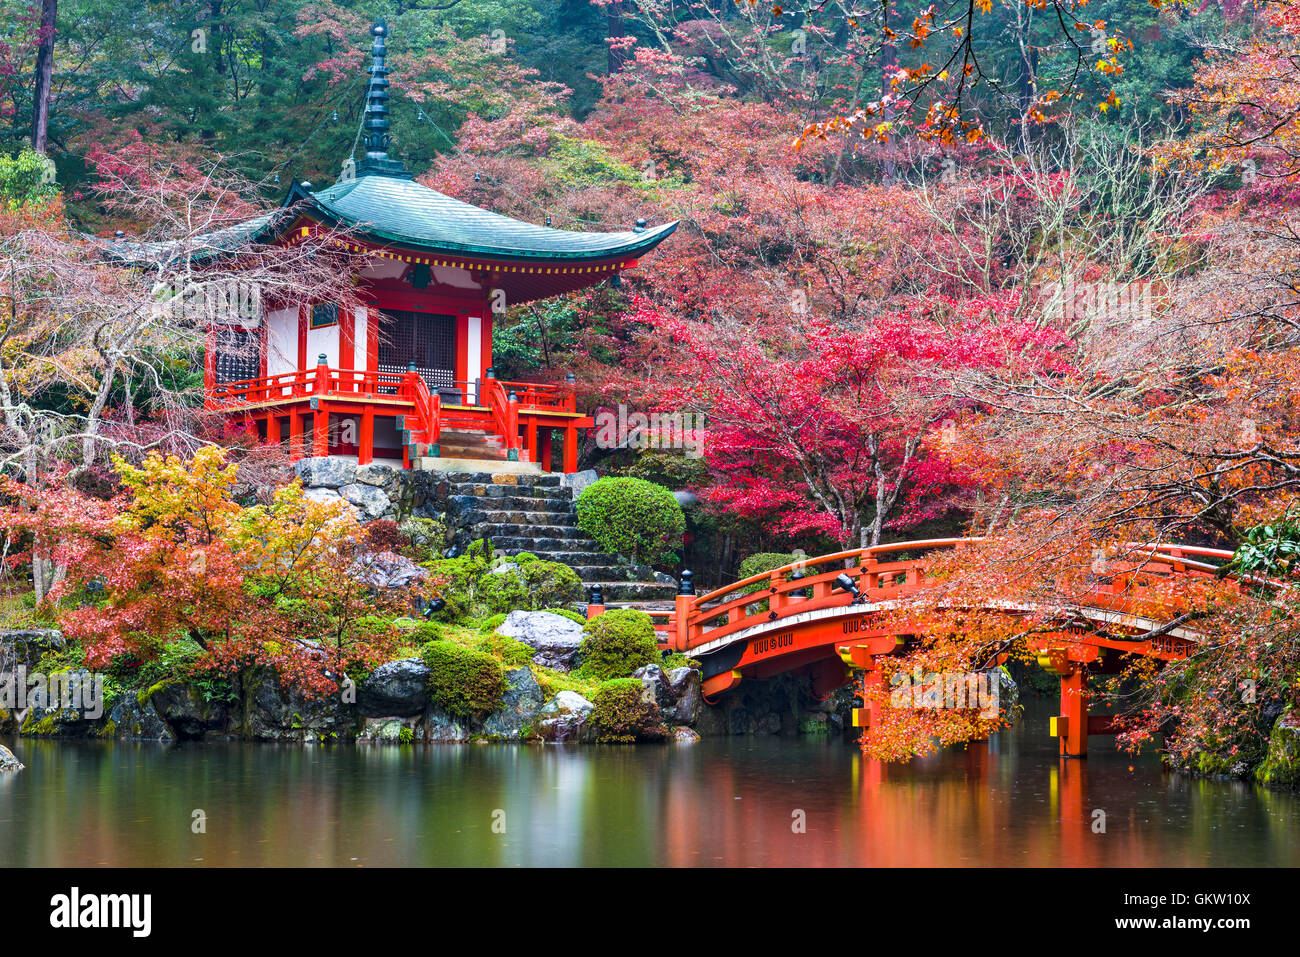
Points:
x=729 y=802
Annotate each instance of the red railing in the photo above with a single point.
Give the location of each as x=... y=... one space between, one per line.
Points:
x=538 y=395
x=322 y=380
x=428 y=408
x=505 y=412
x=880 y=573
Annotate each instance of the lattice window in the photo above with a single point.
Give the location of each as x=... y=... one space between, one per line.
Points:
x=239 y=354
x=420 y=337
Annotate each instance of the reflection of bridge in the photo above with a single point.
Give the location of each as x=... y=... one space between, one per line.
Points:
x=827 y=618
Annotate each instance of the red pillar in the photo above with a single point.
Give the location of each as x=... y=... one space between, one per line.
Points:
x=530 y=440
x=273 y=429
x=366 y=453
x=1074 y=713
x=295 y=435
x=570 y=449
x=546 y=449
x=320 y=432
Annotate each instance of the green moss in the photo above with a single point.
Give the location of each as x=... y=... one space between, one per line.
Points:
x=620 y=715
x=618 y=642
x=565 y=613
x=142 y=697
x=464 y=682
x=1281 y=765
x=512 y=653
x=550 y=583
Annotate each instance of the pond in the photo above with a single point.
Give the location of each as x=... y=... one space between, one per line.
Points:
x=732 y=801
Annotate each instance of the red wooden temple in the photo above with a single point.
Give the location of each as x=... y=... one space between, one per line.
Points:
x=409 y=375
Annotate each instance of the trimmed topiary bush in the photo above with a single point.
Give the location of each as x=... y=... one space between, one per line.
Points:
x=620 y=714
x=762 y=562
x=463 y=682
x=617 y=643
x=632 y=517
x=756 y=564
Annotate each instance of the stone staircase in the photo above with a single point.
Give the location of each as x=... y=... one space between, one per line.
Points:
x=535 y=514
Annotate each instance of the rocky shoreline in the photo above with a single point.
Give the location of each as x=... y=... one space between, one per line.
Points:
x=392 y=706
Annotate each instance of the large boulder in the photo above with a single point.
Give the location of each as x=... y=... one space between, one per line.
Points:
x=1281 y=766
x=7 y=761
x=371 y=501
x=133 y=719
x=190 y=716
x=554 y=637
x=273 y=713
x=24 y=646
x=380 y=476
x=520 y=705
x=64 y=704
x=398 y=688
x=564 y=717
x=677 y=692
x=387 y=570
x=326 y=472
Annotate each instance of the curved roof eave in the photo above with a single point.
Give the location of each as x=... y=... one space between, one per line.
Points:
x=409 y=214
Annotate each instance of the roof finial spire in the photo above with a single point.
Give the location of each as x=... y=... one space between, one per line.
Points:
x=376 y=122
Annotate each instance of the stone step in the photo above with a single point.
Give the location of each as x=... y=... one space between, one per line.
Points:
x=622 y=591
x=509 y=503
x=567 y=532
x=499 y=517
x=558 y=497
x=452 y=466
x=540 y=546
x=498 y=477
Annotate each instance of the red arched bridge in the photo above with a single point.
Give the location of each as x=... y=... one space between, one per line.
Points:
x=824 y=617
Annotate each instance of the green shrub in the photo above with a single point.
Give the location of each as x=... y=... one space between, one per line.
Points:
x=620 y=715
x=550 y=583
x=523 y=558
x=617 y=643
x=463 y=682
x=428 y=537
x=632 y=517
x=761 y=562
x=669 y=469
x=492 y=622
x=756 y=564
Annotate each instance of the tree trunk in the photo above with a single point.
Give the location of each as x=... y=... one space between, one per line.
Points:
x=44 y=75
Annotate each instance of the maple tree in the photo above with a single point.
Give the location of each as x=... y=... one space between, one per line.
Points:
x=175 y=556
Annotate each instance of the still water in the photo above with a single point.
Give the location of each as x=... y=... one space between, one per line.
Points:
x=733 y=801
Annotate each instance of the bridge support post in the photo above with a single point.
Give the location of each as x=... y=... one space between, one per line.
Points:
x=1071 y=726
x=868 y=716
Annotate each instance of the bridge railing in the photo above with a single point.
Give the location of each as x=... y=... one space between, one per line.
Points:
x=880 y=573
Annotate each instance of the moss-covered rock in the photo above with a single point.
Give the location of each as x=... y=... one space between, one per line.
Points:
x=617 y=643
x=465 y=683
x=621 y=713
x=1281 y=766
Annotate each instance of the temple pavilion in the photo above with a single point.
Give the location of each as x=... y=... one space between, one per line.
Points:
x=409 y=374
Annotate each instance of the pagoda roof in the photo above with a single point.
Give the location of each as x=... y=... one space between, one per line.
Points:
x=392 y=209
